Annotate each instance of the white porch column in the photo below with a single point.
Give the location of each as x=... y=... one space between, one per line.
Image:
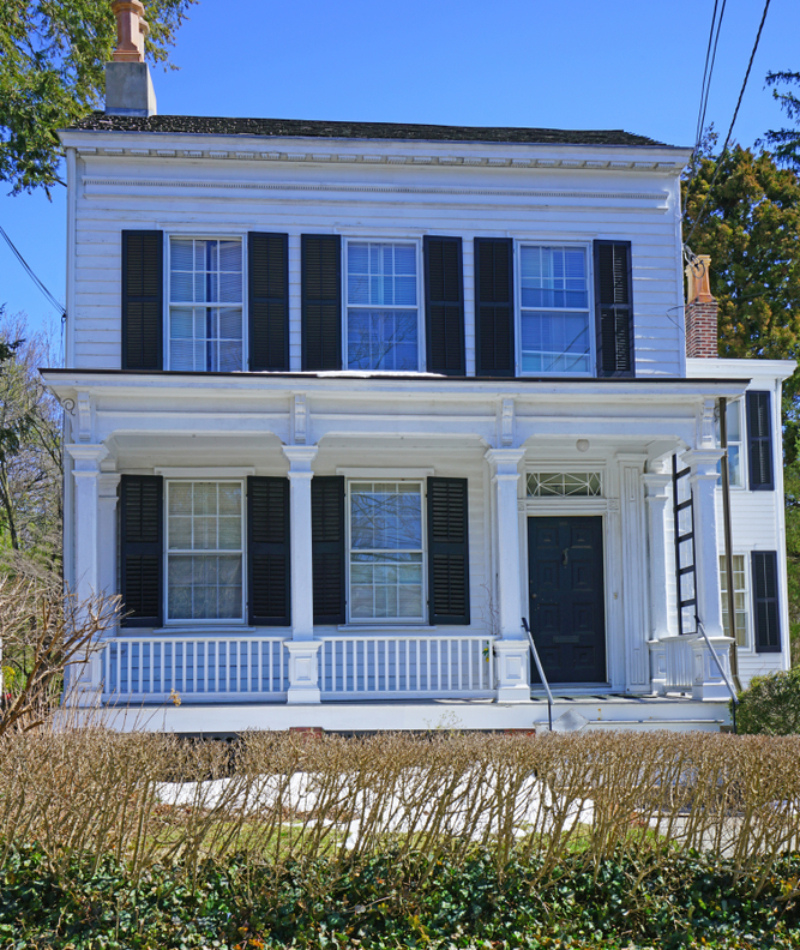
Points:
x=662 y=623
x=303 y=650
x=108 y=483
x=511 y=650
x=86 y=582
x=635 y=591
x=707 y=684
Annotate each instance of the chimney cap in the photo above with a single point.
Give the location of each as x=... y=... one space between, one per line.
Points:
x=697 y=279
x=132 y=29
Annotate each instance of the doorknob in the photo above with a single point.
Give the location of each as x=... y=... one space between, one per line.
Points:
x=565 y=557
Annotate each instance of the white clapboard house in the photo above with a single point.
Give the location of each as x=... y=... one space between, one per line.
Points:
x=348 y=401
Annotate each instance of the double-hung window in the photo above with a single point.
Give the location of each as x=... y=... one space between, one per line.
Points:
x=382 y=322
x=205 y=304
x=740 y=611
x=733 y=417
x=554 y=310
x=205 y=550
x=386 y=552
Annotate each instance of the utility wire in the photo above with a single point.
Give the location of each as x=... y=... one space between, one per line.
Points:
x=29 y=271
x=730 y=129
x=708 y=69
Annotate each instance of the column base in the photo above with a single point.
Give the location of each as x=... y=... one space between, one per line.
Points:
x=658 y=666
x=513 y=680
x=707 y=684
x=303 y=671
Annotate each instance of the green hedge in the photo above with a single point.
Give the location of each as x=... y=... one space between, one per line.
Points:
x=771 y=705
x=677 y=901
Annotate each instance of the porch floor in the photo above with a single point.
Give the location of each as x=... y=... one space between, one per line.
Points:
x=570 y=713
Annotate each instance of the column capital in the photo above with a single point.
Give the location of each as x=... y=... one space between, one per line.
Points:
x=655 y=485
x=300 y=458
x=504 y=462
x=108 y=483
x=703 y=463
x=87 y=458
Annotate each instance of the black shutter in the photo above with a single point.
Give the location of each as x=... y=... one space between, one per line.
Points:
x=268 y=301
x=494 y=307
x=448 y=551
x=759 y=441
x=327 y=547
x=322 y=304
x=613 y=292
x=142 y=550
x=142 y=300
x=444 y=306
x=766 y=607
x=268 y=569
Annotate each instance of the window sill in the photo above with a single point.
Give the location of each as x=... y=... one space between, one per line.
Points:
x=199 y=629
x=387 y=628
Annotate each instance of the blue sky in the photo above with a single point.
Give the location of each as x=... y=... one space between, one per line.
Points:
x=579 y=64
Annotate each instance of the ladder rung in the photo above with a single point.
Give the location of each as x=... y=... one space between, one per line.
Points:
x=683 y=472
x=687 y=570
x=683 y=504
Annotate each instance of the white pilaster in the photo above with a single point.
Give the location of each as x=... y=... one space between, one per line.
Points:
x=656 y=484
x=108 y=483
x=511 y=650
x=86 y=474
x=86 y=580
x=635 y=588
x=303 y=665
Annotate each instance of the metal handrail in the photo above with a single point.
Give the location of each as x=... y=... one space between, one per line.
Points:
x=543 y=678
x=723 y=674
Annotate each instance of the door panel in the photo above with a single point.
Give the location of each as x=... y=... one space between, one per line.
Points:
x=566 y=602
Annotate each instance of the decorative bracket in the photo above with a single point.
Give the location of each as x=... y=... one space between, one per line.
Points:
x=300 y=418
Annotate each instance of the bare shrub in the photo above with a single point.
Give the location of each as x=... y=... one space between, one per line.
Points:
x=43 y=634
x=278 y=799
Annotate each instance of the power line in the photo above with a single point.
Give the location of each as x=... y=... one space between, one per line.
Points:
x=733 y=122
x=29 y=271
x=708 y=69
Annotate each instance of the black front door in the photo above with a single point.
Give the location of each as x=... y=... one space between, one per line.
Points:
x=567 y=614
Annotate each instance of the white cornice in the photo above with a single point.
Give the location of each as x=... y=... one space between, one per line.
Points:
x=197 y=147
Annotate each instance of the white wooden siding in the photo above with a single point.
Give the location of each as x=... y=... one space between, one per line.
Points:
x=378 y=202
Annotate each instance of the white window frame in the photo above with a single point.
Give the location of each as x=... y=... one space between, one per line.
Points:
x=586 y=247
x=748 y=607
x=196 y=236
x=388 y=621
x=212 y=621
x=739 y=402
x=373 y=239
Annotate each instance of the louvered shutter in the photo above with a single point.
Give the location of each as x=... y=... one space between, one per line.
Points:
x=494 y=307
x=322 y=304
x=327 y=545
x=268 y=301
x=268 y=568
x=759 y=441
x=613 y=290
x=142 y=550
x=766 y=608
x=142 y=300
x=448 y=551
x=444 y=306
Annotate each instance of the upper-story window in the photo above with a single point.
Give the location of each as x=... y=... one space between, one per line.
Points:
x=733 y=417
x=205 y=304
x=382 y=323
x=554 y=310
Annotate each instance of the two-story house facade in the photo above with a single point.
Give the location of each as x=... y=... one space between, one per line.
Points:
x=346 y=402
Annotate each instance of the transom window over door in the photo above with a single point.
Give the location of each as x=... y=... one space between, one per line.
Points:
x=205 y=547
x=554 y=310
x=386 y=551
x=382 y=306
x=205 y=309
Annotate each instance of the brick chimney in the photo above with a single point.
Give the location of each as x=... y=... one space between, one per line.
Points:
x=701 y=311
x=129 y=89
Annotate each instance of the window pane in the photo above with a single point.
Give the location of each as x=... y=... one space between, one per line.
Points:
x=382 y=339
x=555 y=342
x=739 y=598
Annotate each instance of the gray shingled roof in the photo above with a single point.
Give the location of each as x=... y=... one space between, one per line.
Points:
x=299 y=128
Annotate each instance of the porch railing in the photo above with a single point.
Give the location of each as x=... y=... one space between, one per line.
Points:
x=406 y=666
x=212 y=669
